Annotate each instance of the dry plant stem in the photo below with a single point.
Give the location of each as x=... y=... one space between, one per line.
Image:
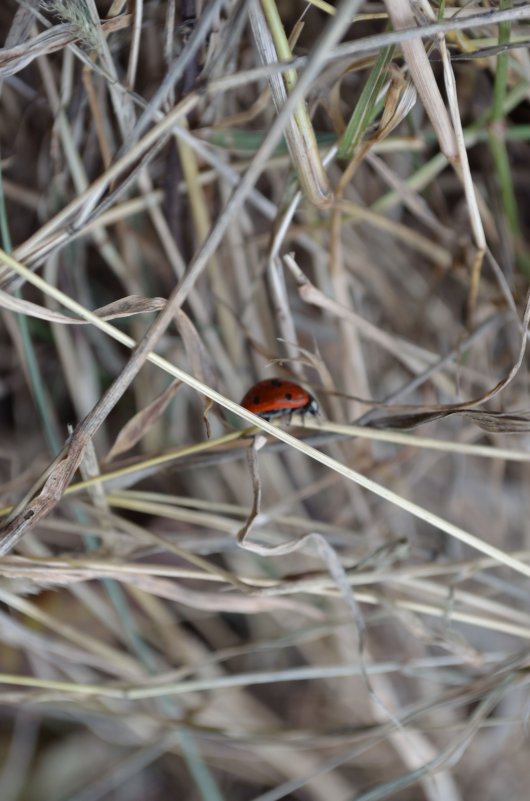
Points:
x=446 y=758
x=399 y=99
x=416 y=241
x=449 y=132
x=370 y=44
x=410 y=34
x=411 y=355
x=20 y=28
x=463 y=171
x=121 y=102
x=408 y=579
x=410 y=198
x=97 y=117
x=202 y=220
x=355 y=375
x=108 y=252
x=252 y=461
x=135 y=44
x=421 y=72
x=276 y=278
x=455 y=605
x=63 y=471
x=414 y=748
x=399 y=583
x=299 y=133
x=117 y=660
x=151 y=688
x=356 y=379
x=281 y=312
x=116 y=8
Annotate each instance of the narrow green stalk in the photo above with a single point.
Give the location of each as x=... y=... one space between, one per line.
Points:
x=498 y=149
x=501 y=73
x=363 y=112
x=497 y=145
x=38 y=391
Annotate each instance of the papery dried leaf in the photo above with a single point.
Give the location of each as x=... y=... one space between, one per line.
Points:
x=493 y=422
x=129 y=305
x=124 y=307
x=501 y=422
x=406 y=422
x=195 y=350
x=198 y=357
x=402 y=99
x=137 y=426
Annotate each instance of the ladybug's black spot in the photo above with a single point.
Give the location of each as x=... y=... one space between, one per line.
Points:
x=288 y=396
x=256 y=400
x=275 y=382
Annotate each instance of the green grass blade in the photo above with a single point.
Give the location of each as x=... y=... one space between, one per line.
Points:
x=364 y=109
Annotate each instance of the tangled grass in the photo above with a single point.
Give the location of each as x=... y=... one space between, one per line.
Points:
x=199 y=603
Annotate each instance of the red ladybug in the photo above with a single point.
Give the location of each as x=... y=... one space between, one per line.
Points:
x=274 y=397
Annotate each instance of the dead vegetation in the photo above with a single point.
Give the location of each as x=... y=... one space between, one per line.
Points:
x=197 y=603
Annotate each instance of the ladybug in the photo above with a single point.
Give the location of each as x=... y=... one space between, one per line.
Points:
x=275 y=397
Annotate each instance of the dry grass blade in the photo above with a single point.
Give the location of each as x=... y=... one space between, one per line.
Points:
x=15 y=59
x=422 y=74
x=299 y=132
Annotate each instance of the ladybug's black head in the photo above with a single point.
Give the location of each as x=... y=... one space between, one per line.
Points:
x=312 y=407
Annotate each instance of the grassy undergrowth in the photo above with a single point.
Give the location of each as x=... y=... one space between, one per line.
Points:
x=197 y=603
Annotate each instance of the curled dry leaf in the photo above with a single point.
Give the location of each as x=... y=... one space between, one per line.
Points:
x=401 y=99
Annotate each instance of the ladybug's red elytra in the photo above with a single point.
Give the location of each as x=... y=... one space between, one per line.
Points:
x=275 y=397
